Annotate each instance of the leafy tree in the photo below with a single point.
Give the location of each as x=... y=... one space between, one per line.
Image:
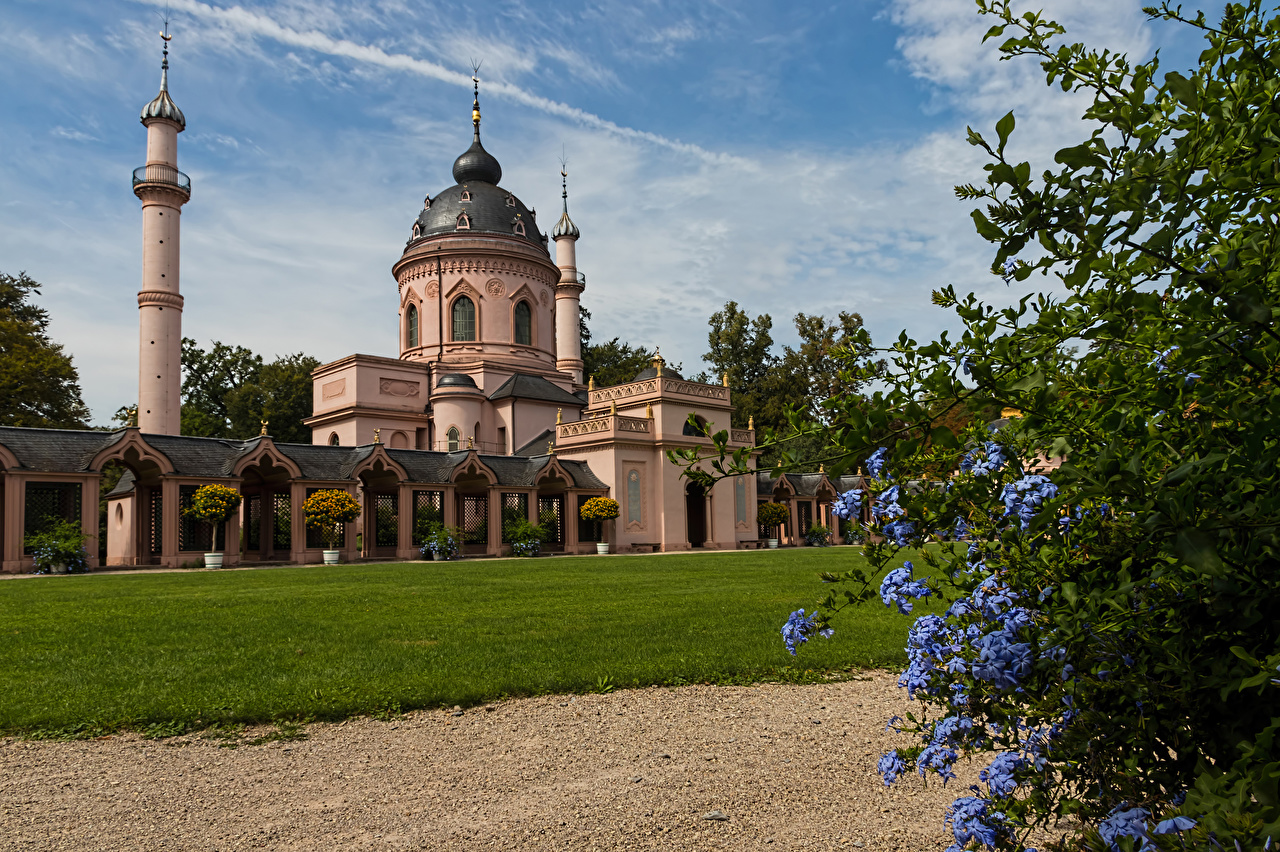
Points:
x=280 y=395
x=740 y=347
x=208 y=380
x=39 y=386
x=615 y=362
x=1111 y=651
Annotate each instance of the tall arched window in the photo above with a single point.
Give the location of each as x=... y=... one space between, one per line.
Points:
x=523 y=324
x=464 y=319
x=452 y=436
x=411 y=326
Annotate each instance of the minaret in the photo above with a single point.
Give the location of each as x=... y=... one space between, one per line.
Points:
x=163 y=190
x=568 y=291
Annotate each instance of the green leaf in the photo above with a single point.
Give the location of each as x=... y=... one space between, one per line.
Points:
x=1035 y=381
x=1003 y=128
x=1197 y=548
x=941 y=436
x=1182 y=89
x=986 y=229
x=1079 y=157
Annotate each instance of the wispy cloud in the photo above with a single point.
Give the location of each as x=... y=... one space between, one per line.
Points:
x=72 y=134
x=248 y=23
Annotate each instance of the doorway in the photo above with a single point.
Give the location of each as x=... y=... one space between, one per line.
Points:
x=695 y=511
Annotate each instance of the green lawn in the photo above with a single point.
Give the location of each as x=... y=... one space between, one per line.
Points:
x=100 y=652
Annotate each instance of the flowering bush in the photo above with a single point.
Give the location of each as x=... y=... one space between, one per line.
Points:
x=525 y=538
x=442 y=542
x=327 y=510
x=599 y=509
x=1109 y=560
x=213 y=504
x=772 y=515
x=61 y=542
x=817 y=536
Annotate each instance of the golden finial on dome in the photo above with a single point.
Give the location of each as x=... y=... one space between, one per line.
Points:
x=475 y=103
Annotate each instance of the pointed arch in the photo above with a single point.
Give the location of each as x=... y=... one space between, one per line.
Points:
x=471 y=467
x=552 y=471
x=463 y=319
x=378 y=461
x=132 y=450
x=8 y=461
x=266 y=454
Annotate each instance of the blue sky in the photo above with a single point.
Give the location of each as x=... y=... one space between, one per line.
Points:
x=793 y=157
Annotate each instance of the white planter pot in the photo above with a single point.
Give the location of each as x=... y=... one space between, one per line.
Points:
x=331 y=557
x=602 y=547
x=773 y=544
x=213 y=560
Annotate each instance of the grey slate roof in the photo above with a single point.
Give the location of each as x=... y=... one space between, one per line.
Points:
x=537 y=446
x=55 y=450
x=70 y=451
x=522 y=386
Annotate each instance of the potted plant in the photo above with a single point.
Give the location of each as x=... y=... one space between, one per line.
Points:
x=818 y=536
x=58 y=548
x=526 y=538
x=327 y=511
x=441 y=542
x=771 y=516
x=213 y=504
x=599 y=509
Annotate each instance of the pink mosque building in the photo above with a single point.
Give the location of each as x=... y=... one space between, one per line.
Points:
x=481 y=409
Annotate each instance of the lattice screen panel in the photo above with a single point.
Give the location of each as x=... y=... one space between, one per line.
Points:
x=475 y=519
x=805 y=512
x=428 y=509
x=47 y=503
x=282 y=533
x=515 y=507
x=192 y=534
x=253 y=522
x=386 y=518
x=155 y=533
x=554 y=504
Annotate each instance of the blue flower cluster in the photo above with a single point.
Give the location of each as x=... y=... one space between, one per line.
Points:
x=890 y=767
x=800 y=628
x=888 y=511
x=999 y=776
x=526 y=547
x=984 y=460
x=875 y=464
x=899 y=585
x=971 y=820
x=1025 y=497
x=1124 y=822
x=849 y=504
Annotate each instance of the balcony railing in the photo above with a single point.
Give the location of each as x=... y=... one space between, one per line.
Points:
x=166 y=175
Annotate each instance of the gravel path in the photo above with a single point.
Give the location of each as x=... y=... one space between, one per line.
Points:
x=788 y=767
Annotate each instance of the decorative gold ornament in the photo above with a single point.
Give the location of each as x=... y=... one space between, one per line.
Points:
x=377 y=436
x=263 y=433
x=471 y=442
x=725 y=380
x=591 y=383
x=648 y=410
x=613 y=406
x=551 y=448
x=751 y=423
x=559 y=416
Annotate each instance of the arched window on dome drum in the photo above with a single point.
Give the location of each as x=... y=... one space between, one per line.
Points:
x=523 y=324
x=464 y=319
x=452 y=438
x=411 y=327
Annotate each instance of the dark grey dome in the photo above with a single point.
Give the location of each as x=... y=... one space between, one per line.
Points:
x=456 y=380
x=476 y=163
x=490 y=210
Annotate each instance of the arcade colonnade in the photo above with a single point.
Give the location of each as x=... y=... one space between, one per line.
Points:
x=55 y=474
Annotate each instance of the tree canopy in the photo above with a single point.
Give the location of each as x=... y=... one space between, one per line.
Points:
x=39 y=385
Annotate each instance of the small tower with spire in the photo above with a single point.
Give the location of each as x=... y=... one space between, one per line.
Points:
x=569 y=290
x=163 y=190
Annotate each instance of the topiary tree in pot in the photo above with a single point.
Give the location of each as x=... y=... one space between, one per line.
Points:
x=326 y=511
x=213 y=504
x=599 y=510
